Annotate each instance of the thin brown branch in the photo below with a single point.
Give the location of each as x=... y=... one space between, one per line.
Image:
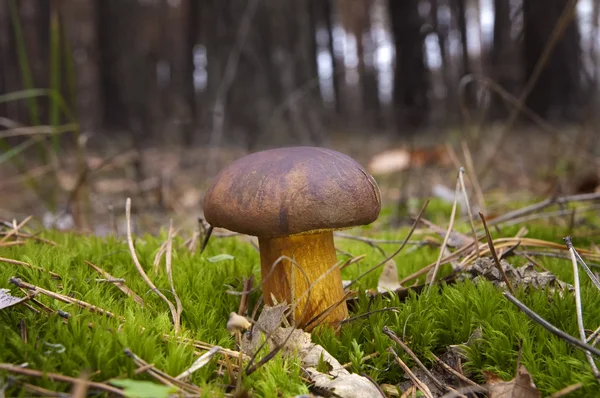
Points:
x=58 y=377
x=422 y=386
x=27 y=265
x=121 y=285
x=390 y=333
x=495 y=255
x=61 y=297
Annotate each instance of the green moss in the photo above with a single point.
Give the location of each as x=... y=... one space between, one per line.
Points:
x=447 y=315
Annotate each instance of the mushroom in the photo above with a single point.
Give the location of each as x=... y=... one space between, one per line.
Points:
x=292 y=199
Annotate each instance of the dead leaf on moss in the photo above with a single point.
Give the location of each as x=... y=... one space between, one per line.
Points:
x=6 y=300
x=337 y=380
x=521 y=386
x=388 y=280
x=526 y=275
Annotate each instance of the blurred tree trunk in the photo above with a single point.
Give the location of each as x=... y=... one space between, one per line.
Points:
x=356 y=21
x=558 y=91
x=441 y=32
x=461 y=14
x=80 y=19
x=410 y=74
x=503 y=59
x=337 y=67
x=274 y=83
x=192 y=9
x=9 y=68
x=111 y=93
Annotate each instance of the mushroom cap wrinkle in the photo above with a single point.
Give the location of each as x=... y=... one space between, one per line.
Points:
x=294 y=190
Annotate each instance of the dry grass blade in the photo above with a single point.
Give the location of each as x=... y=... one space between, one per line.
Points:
x=420 y=385
x=469 y=212
x=61 y=297
x=141 y=269
x=27 y=265
x=578 y=308
x=120 y=285
x=205 y=346
x=168 y=262
x=58 y=377
x=495 y=255
x=199 y=363
x=445 y=242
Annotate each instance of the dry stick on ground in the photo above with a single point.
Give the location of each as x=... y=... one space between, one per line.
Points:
x=450 y=225
x=495 y=256
x=169 y=270
x=27 y=265
x=412 y=229
x=61 y=297
x=551 y=328
x=29 y=236
x=452 y=371
x=390 y=333
x=422 y=386
x=567 y=390
x=15 y=229
x=141 y=269
x=58 y=377
x=120 y=285
x=162 y=376
x=578 y=304
x=469 y=212
x=561 y=200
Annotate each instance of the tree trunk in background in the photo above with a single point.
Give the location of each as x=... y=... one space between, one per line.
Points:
x=558 y=92
x=275 y=84
x=503 y=60
x=356 y=21
x=441 y=32
x=79 y=19
x=461 y=14
x=410 y=74
x=9 y=68
x=35 y=23
x=337 y=67
x=111 y=93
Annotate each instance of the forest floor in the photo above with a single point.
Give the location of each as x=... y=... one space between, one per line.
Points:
x=86 y=313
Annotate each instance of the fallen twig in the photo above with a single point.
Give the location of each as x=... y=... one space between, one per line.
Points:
x=58 y=377
x=27 y=265
x=120 y=285
x=390 y=333
x=424 y=389
x=61 y=297
x=548 y=326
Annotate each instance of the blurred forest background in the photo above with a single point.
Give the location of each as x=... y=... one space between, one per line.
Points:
x=257 y=73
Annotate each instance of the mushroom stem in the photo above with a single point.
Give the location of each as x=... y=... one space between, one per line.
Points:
x=315 y=254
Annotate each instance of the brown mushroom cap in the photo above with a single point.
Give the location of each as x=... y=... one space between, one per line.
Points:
x=288 y=191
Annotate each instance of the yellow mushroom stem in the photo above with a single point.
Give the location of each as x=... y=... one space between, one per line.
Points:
x=315 y=254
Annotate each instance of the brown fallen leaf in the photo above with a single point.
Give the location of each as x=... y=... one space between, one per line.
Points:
x=6 y=300
x=521 y=386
